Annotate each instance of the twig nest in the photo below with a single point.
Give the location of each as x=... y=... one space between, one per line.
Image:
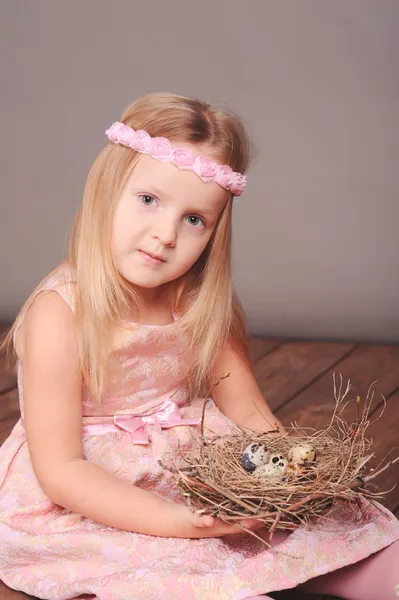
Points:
x=301 y=454
x=254 y=456
x=290 y=480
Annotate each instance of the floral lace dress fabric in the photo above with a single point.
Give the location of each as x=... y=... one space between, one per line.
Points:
x=53 y=553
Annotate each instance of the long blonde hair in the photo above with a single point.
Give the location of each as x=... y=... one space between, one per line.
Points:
x=212 y=314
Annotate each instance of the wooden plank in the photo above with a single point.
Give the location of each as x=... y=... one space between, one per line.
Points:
x=259 y=347
x=8 y=379
x=9 y=414
x=284 y=373
x=314 y=406
x=384 y=435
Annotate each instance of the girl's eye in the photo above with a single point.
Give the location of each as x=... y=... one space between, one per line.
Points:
x=196 y=221
x=147 y=199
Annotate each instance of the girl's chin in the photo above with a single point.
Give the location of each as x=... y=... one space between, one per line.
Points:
x=144 y=287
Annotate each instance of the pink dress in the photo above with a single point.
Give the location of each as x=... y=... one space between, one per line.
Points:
x=53 y=553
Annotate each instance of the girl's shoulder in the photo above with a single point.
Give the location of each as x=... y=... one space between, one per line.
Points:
x=61 y=280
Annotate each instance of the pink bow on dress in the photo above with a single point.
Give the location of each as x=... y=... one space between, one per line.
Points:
x=168 y=416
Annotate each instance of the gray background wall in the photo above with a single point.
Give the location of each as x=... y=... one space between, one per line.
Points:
x=316 y=235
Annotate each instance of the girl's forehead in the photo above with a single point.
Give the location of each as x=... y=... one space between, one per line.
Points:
x=164 y=179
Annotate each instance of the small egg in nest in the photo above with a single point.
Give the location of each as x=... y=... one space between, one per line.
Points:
x=254 y=456
x=278 y=460
x=294 y=469
x=303 y=453
x=269 y=471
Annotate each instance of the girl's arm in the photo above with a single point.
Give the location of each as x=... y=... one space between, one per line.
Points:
x=238 y=396
x=47 y=346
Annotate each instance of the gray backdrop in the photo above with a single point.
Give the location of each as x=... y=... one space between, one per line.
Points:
x=316 y=235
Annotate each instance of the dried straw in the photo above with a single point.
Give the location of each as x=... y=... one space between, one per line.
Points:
x=214 y=481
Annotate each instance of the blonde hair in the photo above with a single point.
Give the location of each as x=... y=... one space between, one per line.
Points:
x=211 y=313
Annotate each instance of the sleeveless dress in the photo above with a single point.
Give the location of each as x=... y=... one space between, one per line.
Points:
x=53 y=553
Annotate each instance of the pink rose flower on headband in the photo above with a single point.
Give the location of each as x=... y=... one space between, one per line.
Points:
x=183 y=157
x=239 y=183
x=141 y=141
x=161 y=148
x=224 y=176
x=206 y=167
x=112 y=132
x=124 y=135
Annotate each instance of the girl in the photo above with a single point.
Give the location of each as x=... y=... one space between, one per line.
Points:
x=115 y=349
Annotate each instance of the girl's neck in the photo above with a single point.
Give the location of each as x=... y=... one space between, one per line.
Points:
x=156 y=309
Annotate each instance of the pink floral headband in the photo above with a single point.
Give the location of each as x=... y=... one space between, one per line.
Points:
x=181 y=156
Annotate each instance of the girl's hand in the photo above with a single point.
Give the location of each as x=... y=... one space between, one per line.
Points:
x=195 y=525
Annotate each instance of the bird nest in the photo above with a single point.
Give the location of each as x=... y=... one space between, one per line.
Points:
x=215 y=481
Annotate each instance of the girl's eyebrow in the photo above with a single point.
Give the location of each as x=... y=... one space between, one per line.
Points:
x=149 y=189
x=158 y=192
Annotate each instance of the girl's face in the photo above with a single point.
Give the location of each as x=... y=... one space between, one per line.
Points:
x=163 y=222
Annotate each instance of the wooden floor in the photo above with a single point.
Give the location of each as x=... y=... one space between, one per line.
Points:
x=296 y=379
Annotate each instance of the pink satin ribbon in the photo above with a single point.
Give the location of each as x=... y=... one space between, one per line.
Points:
x=137 y=425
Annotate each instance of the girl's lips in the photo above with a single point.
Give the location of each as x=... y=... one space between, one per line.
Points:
x=152 y=260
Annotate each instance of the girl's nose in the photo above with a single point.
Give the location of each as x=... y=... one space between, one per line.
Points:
x=166 y=232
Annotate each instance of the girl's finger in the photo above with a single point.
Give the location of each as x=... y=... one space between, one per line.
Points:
x=203 y=520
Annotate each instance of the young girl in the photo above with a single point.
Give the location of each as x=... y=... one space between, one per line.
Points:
x=116 y=349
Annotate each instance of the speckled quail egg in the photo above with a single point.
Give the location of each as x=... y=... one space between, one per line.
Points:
x=278 y=460
x=269 y=471
x=294 y=469
x=301 y=454
x=254 y=456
